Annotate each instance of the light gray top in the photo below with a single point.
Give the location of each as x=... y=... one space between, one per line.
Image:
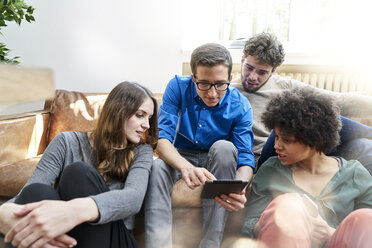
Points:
x=350 y=104
x=123 y=200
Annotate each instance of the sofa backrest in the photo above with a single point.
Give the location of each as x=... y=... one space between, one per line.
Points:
x=336 y=78
x=74 y=111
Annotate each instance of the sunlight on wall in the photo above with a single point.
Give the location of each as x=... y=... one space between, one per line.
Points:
x=321 y=31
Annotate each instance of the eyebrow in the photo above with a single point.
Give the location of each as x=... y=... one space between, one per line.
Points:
x=216 y=82
x=260 y=70
x=144 y=111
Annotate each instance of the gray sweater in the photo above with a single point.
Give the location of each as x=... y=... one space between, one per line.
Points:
x=350 y=104
x=123 y=200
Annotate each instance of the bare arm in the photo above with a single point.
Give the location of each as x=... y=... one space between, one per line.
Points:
x=193 y=176
x=244 y=173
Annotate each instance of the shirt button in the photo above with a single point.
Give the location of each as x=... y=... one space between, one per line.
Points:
x=200 y=125
x=196 y=142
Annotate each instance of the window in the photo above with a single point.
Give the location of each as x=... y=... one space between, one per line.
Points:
x=315 y=27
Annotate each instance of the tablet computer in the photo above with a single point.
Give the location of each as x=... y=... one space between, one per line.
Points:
x=214 y=188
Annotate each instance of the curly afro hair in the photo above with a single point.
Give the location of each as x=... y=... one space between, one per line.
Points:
x=311 y=117
x=266 y=47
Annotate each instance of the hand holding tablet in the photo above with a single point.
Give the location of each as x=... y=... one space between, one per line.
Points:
x=214 y=188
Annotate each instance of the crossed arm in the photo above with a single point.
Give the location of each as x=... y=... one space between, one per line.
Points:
x=44 y=223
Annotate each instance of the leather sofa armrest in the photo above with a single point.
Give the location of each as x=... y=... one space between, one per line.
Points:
x=14 y=176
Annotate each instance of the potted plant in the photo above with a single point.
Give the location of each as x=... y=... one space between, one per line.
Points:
x=13 y=10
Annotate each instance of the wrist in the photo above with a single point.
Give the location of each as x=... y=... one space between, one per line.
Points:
x=7 y=218
x=85 y=208
x=185 y=167
x=331 y=231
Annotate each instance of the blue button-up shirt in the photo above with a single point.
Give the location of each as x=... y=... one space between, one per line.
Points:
x=188 y=123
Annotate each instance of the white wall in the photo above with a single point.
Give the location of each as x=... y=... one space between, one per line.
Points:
x=93 y=45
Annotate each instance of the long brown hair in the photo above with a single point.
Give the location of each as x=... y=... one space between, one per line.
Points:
x=113 y=152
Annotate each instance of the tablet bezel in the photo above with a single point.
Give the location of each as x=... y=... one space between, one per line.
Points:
x=213 y=188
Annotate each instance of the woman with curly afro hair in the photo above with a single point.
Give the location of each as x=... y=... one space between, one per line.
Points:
x=302 y=197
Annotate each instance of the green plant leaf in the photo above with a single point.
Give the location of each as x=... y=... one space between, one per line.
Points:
x=13 y=11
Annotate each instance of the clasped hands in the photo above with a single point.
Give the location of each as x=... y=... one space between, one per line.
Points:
x=196 y=176
x=39 y=224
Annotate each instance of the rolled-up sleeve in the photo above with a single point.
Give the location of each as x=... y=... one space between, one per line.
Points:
x=168 y=111
x=242 y=136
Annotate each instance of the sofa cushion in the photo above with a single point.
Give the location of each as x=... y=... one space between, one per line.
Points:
x=22 y=137
x=14 y=176
x=74 y=111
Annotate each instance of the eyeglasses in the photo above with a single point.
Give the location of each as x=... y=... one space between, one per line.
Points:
x=205 y=85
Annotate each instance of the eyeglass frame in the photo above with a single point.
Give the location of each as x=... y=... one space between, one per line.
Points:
x=210 y=84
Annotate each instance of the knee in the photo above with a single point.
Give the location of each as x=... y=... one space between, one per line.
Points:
x=223 y=146
x=361 y=217
x=288 y=214
x=286 y=207
x=159 y=167
x=224 y=149
x=36 y=192
x=79 y=169
x=160 y=171
x=78 y=173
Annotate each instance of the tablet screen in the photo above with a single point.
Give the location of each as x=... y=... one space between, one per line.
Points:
x=214 y=188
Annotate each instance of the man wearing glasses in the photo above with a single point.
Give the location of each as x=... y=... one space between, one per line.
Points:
x=205 y=133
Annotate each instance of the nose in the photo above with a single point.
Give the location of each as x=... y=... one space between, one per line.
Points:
x=212 y=91
x=253 y=75
x=277 y=144
x=146 y=124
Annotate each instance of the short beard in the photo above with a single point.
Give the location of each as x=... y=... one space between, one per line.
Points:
x=250 y=90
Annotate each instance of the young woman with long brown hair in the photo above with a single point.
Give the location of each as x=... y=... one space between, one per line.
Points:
x=88 y=186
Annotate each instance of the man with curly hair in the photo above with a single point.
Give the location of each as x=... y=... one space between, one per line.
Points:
x=262 y=55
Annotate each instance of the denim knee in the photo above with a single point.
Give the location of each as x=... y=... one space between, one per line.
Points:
x=162 y=173
x=222 y=149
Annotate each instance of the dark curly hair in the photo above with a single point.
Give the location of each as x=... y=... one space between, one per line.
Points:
x=266 y=48
x=311 y=117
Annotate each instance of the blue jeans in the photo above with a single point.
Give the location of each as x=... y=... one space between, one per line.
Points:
x=355 y=144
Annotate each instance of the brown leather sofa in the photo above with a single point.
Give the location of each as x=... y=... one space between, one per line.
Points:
x=24 y=138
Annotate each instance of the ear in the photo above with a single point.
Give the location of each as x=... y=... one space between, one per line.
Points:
x=230 y=78
x=243 y=58
x=273 y=70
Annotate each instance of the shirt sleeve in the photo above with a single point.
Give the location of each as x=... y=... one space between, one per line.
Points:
x=168 y=111
x=364 y=182
x=50 y=165
x=119 y=204
x=242 y=136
